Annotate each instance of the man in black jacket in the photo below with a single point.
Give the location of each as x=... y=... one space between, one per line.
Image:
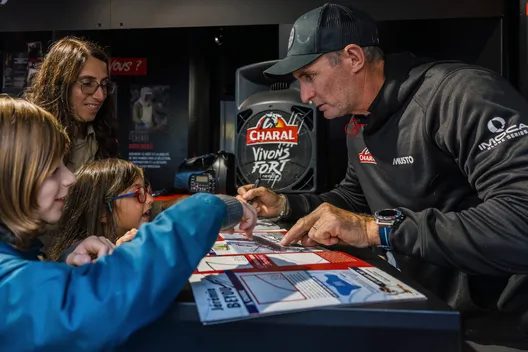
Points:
x=437 y=156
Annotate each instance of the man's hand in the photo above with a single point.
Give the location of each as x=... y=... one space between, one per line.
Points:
x=329 y=225
x=126 y=237
x=268 y=203
x=91 y=247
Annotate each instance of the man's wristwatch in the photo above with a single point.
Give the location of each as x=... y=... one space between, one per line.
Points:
x=387 y=220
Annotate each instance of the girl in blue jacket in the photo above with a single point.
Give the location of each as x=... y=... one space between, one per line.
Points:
x=47 y=306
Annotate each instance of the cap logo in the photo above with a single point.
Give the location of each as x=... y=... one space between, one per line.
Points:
x=292 y=36
x=376 y=37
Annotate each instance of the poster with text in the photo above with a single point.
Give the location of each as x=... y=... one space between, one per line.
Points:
x=153 y=131
x=15 y=69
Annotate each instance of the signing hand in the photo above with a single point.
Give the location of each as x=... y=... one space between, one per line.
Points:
x=329 y=225
x=92 y=246
x=267 y=202
x=126 y=237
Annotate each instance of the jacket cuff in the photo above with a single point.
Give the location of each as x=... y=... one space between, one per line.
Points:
x=234 y=211
x=67 y=252
x=298 y=207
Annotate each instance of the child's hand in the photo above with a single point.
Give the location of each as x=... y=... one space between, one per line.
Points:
x=89 y=250
x=126 y=237
x=249 y=219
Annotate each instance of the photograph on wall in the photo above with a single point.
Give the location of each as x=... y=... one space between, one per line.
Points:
x=149 y=108
x=153 y=124
x=15 y=69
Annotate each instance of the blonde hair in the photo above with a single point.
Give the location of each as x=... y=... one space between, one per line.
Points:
x=32 y=145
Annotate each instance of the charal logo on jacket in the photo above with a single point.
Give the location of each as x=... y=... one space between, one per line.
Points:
x=365 y=157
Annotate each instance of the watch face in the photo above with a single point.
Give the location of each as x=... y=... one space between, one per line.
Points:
x=388 y=213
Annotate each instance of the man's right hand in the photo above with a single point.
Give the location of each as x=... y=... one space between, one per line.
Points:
x=268 y=203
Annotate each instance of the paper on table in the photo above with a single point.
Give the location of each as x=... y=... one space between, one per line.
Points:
x=264 y=284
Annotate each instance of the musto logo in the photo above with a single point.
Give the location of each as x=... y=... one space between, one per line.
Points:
x=365 y=157
x=271 y=128
x=503 y=133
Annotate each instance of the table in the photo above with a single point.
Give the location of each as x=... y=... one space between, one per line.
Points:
x=428 y=325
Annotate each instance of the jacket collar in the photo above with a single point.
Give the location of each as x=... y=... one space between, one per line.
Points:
x=6 y=246
x=90 y=130
x=404 y=73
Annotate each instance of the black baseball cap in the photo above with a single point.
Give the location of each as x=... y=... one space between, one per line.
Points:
x=328 y=28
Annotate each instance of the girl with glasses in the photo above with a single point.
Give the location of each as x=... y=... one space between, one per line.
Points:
x=73 y=83
x=109 y=199
x=47 y=306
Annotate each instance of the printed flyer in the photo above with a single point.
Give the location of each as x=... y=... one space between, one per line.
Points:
x=245 y=281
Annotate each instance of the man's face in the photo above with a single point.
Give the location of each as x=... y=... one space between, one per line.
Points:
x=329 y=85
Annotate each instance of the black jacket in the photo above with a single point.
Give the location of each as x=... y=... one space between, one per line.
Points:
x=447 y=143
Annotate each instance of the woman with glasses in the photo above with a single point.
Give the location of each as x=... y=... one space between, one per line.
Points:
x=110 y=199
x=73 y=83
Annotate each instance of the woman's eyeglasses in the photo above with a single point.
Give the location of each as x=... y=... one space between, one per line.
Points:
x=140 y=193
x=91 y=86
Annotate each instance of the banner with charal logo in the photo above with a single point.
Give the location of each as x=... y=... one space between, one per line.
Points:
x=276 y=147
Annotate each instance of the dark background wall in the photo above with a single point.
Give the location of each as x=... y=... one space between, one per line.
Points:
x=25 y=15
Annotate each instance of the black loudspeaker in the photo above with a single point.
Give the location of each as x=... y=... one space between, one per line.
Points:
x=276 y=135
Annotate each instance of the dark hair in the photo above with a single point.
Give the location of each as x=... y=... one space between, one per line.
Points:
x=53 y=83
x=87 y=203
